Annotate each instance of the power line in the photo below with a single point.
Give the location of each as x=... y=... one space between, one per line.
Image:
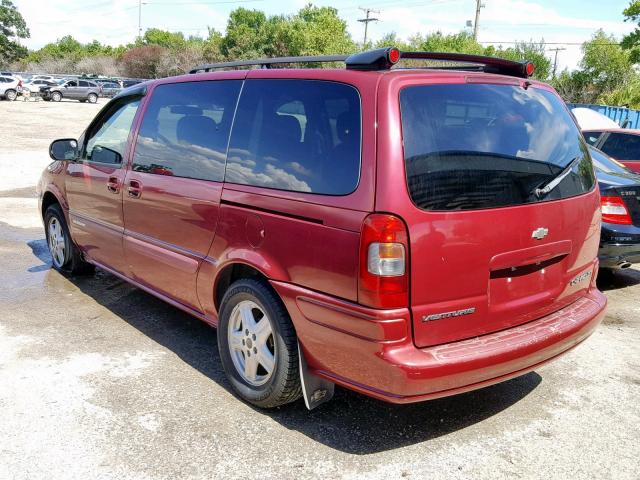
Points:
x=511 y=42
x=366 y=21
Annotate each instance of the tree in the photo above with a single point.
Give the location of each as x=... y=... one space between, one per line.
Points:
x=531 y=51
x=631 y=42
x=163 y=38
x=604 y=62
x=143 y=62
x=12 y=28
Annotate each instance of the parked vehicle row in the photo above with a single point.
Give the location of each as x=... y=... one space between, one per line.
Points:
x=81 y=90
x=405 y=233
x=56 y=89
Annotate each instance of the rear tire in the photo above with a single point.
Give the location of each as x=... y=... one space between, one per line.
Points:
x=56 y=96
x=65 y=256
x=259 y=359
x=93 y=98
x=11 y=95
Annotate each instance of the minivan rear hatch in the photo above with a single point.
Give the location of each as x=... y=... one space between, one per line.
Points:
x=490 y=247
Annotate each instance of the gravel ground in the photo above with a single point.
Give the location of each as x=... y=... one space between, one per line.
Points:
x=100 y=380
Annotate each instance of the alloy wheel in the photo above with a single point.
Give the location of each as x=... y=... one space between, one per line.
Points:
x=251 y=343
x=56 y=240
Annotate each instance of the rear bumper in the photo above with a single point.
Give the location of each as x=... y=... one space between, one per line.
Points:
x=371 y=351
x=611 y=255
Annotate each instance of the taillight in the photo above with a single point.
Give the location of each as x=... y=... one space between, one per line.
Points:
x=615 y=211
x=384 y=249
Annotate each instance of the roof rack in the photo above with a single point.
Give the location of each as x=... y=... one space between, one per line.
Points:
x=385 y=58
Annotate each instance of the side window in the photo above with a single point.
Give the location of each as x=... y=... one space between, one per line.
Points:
x=591 y=137
x=296 y=135
x=185 y=130
x=85 y=84
x=72 y=84
x=107 y=141
x=622 y=146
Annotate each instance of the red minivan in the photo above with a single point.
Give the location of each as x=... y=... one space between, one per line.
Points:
x=408 y=233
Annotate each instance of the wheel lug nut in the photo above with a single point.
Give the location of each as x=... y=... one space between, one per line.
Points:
x=246 y=332
x=243 y=341
x=255 y=350
x=253 y=336
x=248 y=353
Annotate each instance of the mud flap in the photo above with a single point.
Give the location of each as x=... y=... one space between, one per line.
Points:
x=315 y=390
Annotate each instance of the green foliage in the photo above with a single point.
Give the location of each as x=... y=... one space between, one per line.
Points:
x=12 y=28
x=162 y=38
x=631 y=42
x=605 y=63
x=530 y=51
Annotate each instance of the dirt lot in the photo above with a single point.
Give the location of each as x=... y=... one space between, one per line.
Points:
x=100 y=380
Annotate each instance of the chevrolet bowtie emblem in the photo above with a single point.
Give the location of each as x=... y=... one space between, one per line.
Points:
x=540 y=233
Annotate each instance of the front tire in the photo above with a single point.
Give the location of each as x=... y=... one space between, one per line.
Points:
x=56 y=96
x=93 y=98
x=65 y=256
x=258 y=345
x=11 y=95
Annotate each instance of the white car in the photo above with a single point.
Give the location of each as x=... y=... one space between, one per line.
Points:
x=591 y=120
x=43 y=77
x=10 y=87
x=34 y=86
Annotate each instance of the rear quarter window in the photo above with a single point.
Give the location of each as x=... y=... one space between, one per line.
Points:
x=296 y=135
x=473 y=146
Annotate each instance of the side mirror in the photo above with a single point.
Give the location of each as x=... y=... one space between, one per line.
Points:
x=64 y=149
x=102 y=154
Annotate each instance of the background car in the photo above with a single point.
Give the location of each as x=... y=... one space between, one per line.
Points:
x=110 y=89
x=34 y=86
x=10 y=87
x=606 y=135
x=81 y=90
x=620 y=202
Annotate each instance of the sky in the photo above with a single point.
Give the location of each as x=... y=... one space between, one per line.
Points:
x=561 y=23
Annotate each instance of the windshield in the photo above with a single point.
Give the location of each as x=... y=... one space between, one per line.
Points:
x=471 y=146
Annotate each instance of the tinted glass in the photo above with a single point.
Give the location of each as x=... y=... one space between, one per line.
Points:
x=185 y=129
x=605 y=163
x=591 y=137
x=111 y=133
x=297 y=135
x=476 y=146
x=83 y=83
x=622 y=146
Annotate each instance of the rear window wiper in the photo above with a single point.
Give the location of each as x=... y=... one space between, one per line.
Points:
x=546 y=187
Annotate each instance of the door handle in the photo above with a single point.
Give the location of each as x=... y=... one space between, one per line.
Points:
x=134 y=189
x=113 y=184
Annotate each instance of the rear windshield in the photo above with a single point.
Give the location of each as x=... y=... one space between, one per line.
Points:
x=473 y=146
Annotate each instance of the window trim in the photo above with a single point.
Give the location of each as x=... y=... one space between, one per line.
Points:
x=108 y=109
x=298 y=192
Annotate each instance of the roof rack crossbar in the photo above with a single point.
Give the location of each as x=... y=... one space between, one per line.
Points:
x=267 y=62
x=384 y=58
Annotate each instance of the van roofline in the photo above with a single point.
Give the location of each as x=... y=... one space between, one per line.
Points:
x=383 y=59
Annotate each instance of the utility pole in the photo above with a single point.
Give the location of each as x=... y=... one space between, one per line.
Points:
x=139 y=20
x=555 y=58
x=366 y=21
x=479 y=5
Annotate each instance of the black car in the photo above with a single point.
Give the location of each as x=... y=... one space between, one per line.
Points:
x=620 y=200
